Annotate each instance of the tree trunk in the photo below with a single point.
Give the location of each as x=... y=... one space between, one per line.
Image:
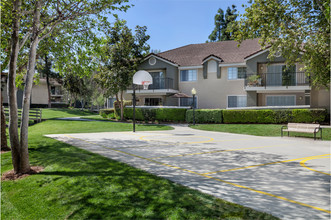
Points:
x=24 y=162
x=122 y=107
x=11 y=88
x=47 y=82
x=4 y=146
x=82 y=104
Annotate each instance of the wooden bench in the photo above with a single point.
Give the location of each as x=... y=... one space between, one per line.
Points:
x=34 y=114
x=300 y=127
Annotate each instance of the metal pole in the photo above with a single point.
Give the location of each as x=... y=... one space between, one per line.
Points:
x=134 y=107
x=193 y=109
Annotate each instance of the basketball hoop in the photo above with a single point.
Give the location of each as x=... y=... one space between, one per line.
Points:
x=145 y=84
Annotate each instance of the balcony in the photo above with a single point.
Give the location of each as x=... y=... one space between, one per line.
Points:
x=277 y=81
x=161 y=85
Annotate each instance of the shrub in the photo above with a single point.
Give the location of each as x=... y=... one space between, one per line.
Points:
x=309 y=115
x=249 y=116
x=267 y=116
x=106 y=112
x=171 y=114
x=159 y=114
x=205 y=116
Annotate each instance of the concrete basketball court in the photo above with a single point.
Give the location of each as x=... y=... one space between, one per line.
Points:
x=287 y=177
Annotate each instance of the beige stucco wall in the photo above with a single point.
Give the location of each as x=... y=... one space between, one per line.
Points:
x=39 y=93
x=213 y=92
x=320 y=98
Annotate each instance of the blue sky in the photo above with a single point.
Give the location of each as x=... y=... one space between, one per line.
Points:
x=176 y=23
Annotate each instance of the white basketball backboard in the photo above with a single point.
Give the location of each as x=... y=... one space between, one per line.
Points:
x=142 y=77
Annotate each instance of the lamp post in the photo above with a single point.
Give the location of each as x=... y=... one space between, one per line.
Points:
x=194 y=92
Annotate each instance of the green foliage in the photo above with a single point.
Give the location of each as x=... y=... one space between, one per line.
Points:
x=220 y=32
x=205 y=116
x=105 y=113
x=171 y=114
x=299 y=29
x=159 y=114
x=274 y=116
x=309 y=115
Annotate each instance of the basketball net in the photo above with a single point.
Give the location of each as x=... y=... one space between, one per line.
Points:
x=145 y=84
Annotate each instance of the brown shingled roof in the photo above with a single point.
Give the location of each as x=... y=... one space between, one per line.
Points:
x=194 y=54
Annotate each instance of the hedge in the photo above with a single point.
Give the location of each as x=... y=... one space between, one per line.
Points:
x=268 y=116
x=205 y=116
x=153 y=114
x=106 y=112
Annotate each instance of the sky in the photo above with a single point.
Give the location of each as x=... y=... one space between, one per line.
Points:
x=176 y=23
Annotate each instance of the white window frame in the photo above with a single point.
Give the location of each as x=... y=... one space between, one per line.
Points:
x=294 y=96
x=237 y=72
x=196 y=75
x=227 y=101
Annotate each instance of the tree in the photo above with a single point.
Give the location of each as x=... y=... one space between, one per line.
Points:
x=41 y=19
x=124 y=53
x=4 y=146
x=298 y=29
x=221 y=32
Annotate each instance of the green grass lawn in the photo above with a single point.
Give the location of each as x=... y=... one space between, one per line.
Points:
x=77 y=184
x=51 y=113
x=257 y=129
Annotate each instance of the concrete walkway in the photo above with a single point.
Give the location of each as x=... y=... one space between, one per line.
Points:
x=287 y=177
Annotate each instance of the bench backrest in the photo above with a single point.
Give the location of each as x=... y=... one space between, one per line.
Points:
x=303 y=127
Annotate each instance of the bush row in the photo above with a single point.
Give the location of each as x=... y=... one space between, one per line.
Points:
x=159 y=114
x=205 y=116
x=265 y=116
x=268 y=116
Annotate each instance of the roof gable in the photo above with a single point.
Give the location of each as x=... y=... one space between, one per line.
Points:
x=225 y=51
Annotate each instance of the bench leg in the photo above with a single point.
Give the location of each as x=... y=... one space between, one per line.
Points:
x=314 y=136
x=288 y=134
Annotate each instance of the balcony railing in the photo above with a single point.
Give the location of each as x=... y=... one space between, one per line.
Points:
x=158 y=83
x=277 y=79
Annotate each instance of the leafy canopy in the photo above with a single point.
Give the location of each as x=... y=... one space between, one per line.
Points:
x=299 y=29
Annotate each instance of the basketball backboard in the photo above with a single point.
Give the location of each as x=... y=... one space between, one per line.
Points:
x=142 y=77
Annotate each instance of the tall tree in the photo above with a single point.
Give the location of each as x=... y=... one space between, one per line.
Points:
x=222 y=22
x=41 y=19
x=123 y=52
x=298 y=29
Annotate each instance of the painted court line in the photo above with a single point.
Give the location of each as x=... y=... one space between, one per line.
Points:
x=210 y=177
x=302 y=163
x=218 y=151
x=264 y=164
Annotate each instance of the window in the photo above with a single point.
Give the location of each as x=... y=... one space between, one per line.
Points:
x=188 y=75
x=153 y=101
x=212 y=66
x=237 y=101
x=56 y=90
x=285 y=100
x=236 y=72
x=152 y=61
x=188 y=102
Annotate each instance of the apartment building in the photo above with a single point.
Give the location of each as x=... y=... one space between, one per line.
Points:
x=39 y=95
x=226 y=76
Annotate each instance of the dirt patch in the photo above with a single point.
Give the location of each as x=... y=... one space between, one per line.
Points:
x=10 y=175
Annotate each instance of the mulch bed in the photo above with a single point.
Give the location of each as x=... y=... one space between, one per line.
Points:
x=10 y=175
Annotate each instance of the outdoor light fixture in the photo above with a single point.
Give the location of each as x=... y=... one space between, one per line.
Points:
x=194 y=92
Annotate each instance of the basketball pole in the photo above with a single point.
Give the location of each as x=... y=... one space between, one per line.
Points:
x=134 y=107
